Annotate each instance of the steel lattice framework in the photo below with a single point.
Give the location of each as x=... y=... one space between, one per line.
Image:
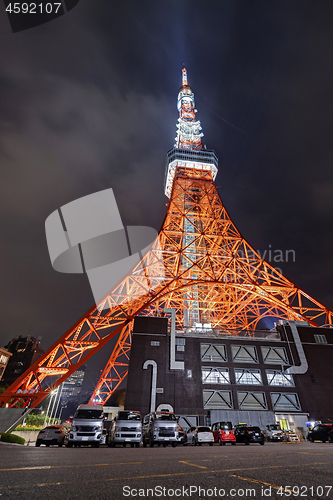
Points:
x=200 y=265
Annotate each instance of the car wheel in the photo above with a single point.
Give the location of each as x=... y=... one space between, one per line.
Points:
x=174 y=444
x=220 y=442
x=194 y=442
x=324 y=440
x=211 y=444
x=37 y=443
x=69 y=445
x=165 y=445
x=47 y=444
x=247 y=443
x=262 y=443
x=233 y=443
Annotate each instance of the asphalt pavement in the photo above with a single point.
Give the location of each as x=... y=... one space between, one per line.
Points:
x=275 y=471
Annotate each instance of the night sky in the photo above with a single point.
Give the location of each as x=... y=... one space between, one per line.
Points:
x=88 y=102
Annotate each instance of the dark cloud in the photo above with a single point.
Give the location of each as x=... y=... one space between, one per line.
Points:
x=89 y=102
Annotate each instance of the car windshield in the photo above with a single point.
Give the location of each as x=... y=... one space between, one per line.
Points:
x=165 y=416
x=89 y=414
x=203 y=429
x=253 y=429
x=275 y=427
x=128 y=415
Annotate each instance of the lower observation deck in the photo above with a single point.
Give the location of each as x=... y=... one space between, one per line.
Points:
x=193 y=159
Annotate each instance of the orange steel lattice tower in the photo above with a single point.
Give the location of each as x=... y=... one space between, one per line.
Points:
x=200 y=265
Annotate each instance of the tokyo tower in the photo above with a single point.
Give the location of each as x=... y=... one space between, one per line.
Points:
x=200 y=266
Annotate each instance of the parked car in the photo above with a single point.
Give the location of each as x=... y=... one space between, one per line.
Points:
x=199 y=434
x=160 y=427
x=126 y=428
x=249 y=434
x=53 y=434
x=223 y=433
x=87 y=426
x=321 y=432
x=273 y=432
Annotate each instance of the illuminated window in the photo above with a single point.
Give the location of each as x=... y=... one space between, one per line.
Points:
x=244 y=354
x=251 y=400
x=285 y=401
x=276 y=377
x=3 y=359
x=275 y=355
x=217 y=400
x=251 y=377
x=215 y=376
x=213 y=352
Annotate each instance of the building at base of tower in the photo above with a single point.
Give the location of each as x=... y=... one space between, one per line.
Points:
x=257 y=378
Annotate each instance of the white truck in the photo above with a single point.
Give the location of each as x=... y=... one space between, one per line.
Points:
x=273 y=432
x=87 y=426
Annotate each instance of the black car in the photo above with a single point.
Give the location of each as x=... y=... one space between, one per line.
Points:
x=321 y=433
x=249 y=434
x=53 y=434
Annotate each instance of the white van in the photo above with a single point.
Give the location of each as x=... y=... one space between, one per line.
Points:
x=273 y=432
x=126 y=428
x=160 y=427
x=87 y=426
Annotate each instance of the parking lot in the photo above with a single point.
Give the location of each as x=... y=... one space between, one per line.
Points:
x=240 y=471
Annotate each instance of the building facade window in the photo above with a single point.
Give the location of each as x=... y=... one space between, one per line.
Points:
x=320 y=339
x=274 y=355
x=213 y=352
x=215 y=375
x=250 y=377
x=276 y=377
x=244 y=354
x=3 y=359
x=285 y=401
x=251 y=400
x=217 y=400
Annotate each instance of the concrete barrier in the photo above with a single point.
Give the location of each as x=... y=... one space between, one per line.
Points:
x=29 y=436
